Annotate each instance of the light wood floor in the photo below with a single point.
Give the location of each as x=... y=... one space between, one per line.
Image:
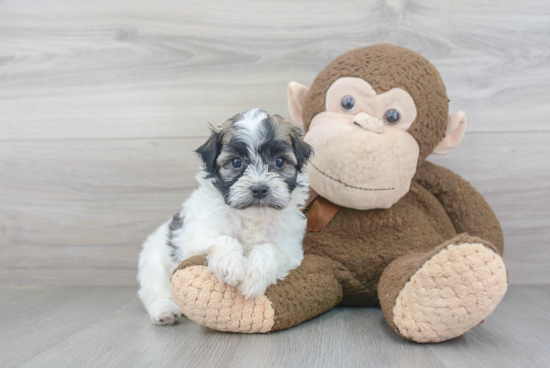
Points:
x=102 y=326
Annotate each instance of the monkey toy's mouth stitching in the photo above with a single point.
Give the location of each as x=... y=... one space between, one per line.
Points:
x=351 y=186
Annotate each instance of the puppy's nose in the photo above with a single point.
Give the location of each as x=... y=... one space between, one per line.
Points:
x=369 y=123
x=260 y=191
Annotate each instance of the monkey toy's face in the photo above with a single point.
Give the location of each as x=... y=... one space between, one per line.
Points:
x=372 y=116
x=364 y=155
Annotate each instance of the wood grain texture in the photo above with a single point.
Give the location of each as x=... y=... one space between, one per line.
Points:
x=101 y=105
x=106 y=326
x=82 y=69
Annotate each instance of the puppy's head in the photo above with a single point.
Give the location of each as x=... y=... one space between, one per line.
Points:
x=254 y=159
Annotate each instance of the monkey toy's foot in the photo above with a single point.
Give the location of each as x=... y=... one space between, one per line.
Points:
x=440 y=295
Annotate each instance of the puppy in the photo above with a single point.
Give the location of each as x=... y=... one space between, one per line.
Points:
x=245 y=216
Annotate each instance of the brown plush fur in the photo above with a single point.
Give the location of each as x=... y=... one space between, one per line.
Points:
x=465 y=207
x=385 y=67
x=314 y=284
x=365 y=242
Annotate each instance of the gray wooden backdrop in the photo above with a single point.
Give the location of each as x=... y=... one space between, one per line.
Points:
x=102 y=103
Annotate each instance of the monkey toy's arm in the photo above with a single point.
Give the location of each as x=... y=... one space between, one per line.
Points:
x=307 y=291
x=467 y=209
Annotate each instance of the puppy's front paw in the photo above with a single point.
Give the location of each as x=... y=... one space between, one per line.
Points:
x=254 y=283
x=164 y=312
x=227 y=267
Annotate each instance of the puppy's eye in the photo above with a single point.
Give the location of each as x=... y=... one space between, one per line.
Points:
x=392 y=117
x=236 y=163
x=280 y=162
x=348 y=103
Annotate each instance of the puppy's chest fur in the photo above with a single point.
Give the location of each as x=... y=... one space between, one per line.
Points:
x=252 y=232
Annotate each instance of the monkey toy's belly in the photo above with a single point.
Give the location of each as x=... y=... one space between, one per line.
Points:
x=363 y=243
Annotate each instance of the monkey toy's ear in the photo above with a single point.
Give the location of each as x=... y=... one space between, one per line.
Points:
x=456 y=127
x=296 y=97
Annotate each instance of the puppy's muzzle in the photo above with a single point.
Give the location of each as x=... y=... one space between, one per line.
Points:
x=259 y=191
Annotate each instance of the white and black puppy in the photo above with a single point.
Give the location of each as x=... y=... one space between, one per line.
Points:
x=245 y=216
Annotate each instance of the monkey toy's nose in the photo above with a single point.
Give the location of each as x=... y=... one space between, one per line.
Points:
x=369 y=123
x=259 y=191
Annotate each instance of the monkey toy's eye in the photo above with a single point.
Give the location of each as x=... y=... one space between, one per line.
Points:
x=280 y=162
x=348 y=103
x=236 y=162
x=392 y=117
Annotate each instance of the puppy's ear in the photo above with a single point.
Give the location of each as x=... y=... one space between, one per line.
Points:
x=210 y=150
x=302 y=150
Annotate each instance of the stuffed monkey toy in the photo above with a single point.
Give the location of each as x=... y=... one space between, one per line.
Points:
x=385 y=226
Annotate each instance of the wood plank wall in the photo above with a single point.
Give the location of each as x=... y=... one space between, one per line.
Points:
x=102 y=103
